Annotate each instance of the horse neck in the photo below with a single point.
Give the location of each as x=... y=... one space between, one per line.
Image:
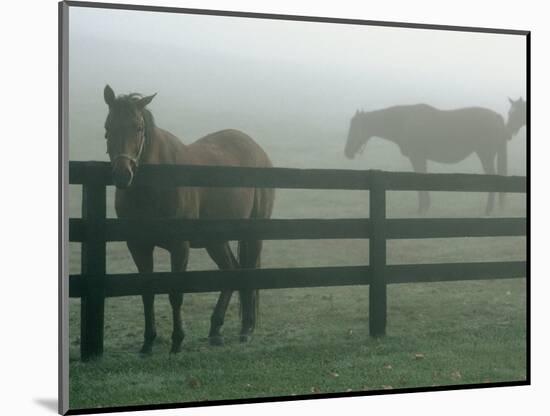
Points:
x=510 y=128
x=163 y=147
x=513 y=130
x=384 y=124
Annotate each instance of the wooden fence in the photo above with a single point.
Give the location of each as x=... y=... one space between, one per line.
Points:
x=94 y=230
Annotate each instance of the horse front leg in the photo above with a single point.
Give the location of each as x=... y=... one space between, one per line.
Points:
x=420 y=165
x=142 y=254
x=224 y=258
x=179 y=255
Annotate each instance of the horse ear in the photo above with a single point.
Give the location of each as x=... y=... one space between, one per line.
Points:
x=145 y=100
x=109 y=95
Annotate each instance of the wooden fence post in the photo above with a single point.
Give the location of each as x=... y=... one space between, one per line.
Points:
x=93 y=268
x=377 y=256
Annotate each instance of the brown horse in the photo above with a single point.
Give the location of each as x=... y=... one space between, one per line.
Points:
x=426 y=133
x=132 y=140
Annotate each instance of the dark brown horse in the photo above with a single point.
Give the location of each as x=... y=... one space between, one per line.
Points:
x=133 y=140
x=425 y=133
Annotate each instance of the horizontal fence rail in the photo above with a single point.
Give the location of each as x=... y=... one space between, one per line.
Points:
x=454 y=227
x=223 y=230
x=215 y=280
x=298 y=229
x=94 y=230
x=134 y=284
x=233 y=176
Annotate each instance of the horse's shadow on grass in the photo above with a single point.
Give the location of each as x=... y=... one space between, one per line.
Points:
x=49 y=404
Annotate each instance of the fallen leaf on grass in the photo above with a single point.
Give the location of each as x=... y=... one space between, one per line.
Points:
x=315 y=390
x=334 y=374
x=386 y=387
x=388 y=367
x=418 y=356
x=455 y=375
x=194 y=382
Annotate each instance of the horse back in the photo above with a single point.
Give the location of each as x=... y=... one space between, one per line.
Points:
x=228 y=148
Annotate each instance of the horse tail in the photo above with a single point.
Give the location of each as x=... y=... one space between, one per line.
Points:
x=249 y=251
x=502 y=167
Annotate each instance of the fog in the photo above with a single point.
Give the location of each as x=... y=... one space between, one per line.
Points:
x=292 y=86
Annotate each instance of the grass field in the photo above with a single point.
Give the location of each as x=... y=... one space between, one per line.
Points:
x=316 y=340
x=311 y=341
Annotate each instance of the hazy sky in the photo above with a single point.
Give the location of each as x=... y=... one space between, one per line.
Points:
x=494 y=58
x=214 y=72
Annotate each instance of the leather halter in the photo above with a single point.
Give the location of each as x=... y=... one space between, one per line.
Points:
x=134 y=159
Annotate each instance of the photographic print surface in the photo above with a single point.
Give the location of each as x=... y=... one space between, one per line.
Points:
x=148 y=88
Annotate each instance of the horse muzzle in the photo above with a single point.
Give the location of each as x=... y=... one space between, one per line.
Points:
x=123 y=174
x=349 y=154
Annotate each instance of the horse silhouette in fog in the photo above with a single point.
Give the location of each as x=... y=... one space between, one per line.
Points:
x=133 y=139
x=425 y=133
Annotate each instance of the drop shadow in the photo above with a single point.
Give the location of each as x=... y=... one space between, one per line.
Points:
x=48 y=404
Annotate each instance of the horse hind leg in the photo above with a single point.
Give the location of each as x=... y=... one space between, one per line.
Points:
x=488 y=164
x=224 y=258
x=249 y=258
x=143 y=257
x=179 y=255
x=502 y=169
x=423 y=202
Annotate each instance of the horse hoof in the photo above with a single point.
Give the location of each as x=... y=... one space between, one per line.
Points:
x=148 y=341
x=177 y=339
x=146 y=350
x=244 y=338
x=216 y=340
x=175 y=349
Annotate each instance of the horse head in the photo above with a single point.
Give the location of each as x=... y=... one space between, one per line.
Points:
x=125 y=131
x=517 y=115
x=357 y=137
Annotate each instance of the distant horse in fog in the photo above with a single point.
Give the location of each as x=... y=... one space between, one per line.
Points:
x=425 y=133
x=133 y=140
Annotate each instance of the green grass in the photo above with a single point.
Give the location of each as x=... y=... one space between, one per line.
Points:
x=311 y=341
